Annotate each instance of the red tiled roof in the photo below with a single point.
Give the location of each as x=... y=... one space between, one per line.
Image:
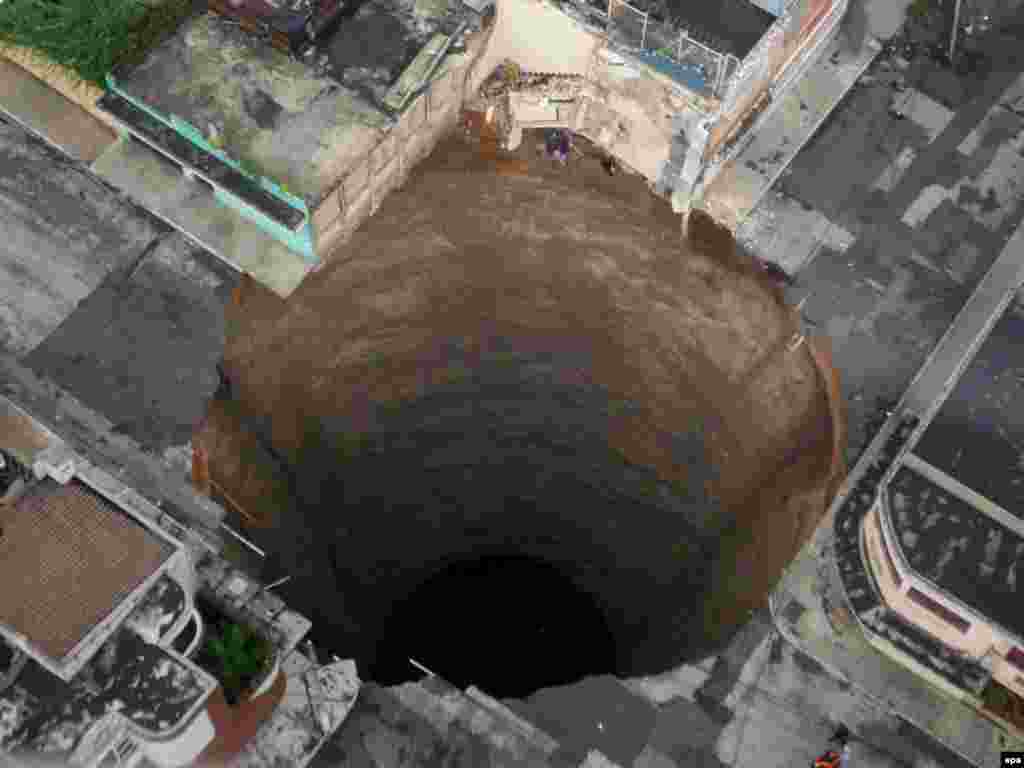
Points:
x=67 y=559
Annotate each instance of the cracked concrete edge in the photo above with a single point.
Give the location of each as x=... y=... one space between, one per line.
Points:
x=92 y=436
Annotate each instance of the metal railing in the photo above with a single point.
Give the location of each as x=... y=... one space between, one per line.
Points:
x=670 y=50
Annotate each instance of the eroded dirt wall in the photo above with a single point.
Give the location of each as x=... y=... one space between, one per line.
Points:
x=536 y=365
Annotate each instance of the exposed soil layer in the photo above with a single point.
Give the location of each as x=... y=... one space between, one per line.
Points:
x=529 y=366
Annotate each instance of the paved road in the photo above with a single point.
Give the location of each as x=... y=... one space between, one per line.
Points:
x=883 y=285
x=103 y=299
x=891 y=226
x=110 y=325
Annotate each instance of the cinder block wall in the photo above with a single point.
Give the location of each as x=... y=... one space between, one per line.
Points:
x=430 y=117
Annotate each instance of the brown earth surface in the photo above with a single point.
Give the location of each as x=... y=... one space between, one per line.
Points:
x=529 y=363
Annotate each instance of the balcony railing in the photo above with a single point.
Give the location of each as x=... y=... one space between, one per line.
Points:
x=670 y=51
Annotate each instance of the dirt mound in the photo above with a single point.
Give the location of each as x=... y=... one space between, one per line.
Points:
x=533 y=366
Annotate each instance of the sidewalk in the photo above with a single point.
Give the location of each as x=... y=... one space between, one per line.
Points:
x=783 y=132
x=809 y=605
x=36 y=106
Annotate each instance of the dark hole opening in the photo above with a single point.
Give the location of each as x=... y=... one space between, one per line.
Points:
x=506 y=624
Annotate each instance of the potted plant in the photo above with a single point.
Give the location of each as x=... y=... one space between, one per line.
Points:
x=247 y=666
x=241 y=660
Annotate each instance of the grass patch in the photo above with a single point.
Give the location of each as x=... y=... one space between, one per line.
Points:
x=89 y=37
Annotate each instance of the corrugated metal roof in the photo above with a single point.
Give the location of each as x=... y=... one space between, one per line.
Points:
x=67 y=559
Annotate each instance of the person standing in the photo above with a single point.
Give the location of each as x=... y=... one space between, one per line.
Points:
x=564 y=145
x=836 y=759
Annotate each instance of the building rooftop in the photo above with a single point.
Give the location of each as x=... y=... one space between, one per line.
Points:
x=977 y=436
x=298 y=123
x=956 y=501
x=959 y=548
x=75 y=557
x=140 y=681
x=727 y=26
x=371 y=48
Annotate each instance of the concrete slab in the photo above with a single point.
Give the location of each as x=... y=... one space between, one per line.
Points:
x=190 y=206
x=789 y=233
x=299 y=123
x=143 y=347
x=924 y=111
x=64 y=232
x=892 y=174
x=596 y=713
x=927 y=201
x=682 y=682
x=998 y=123
x=275 y=115
x=995 y=194
x=41 y=109
x=884 y=18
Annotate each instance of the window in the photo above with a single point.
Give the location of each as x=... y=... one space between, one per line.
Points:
x=885 y=550
x=1016 y=657
x=939 y=610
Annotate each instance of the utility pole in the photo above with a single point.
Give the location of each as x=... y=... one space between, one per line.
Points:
x=954 y=33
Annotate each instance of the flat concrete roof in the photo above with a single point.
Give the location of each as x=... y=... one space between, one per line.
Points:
x=977 y=435
x=958 y=548
x=296 y=122
x=956 y=503
x=370 y=49
x=727 y=26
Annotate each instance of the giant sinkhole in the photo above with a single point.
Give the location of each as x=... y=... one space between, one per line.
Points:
x=530 y=434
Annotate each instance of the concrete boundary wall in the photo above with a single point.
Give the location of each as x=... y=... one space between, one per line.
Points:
x=428 y=118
